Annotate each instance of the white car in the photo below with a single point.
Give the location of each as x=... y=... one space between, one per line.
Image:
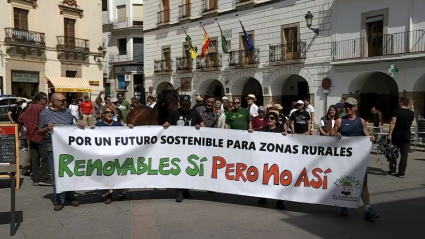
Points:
x=6 y=102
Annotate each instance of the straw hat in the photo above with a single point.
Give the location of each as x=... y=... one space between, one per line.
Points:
x=251 y=96
x=277 y=107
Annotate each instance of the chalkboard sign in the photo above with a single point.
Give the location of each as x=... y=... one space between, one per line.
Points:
x=9 y=148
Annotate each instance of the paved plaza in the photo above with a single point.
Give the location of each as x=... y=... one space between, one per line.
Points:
x=154 y=213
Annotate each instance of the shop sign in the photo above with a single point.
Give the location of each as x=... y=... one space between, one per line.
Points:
x=94 y=82
x=25 y=77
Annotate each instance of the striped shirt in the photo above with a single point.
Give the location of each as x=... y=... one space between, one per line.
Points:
x=48 y=116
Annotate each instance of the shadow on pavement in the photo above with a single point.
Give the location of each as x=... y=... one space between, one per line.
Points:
x=5 y=182
x=5 y=219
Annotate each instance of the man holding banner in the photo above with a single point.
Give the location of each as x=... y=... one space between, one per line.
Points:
x=184 y=116
x=350 y=126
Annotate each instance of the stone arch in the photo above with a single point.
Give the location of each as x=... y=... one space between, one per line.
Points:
x=277 y=78
x=209 y=87
x=375 y=89
x=162 y=84
x=238 y=80
x=206 y=77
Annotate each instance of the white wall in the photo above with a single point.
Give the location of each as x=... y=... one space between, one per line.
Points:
x=112 y=7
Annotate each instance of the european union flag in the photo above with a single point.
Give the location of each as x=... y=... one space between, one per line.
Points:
x=248 y=41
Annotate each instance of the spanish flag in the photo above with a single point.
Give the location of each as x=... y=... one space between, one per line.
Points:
x=205 y=44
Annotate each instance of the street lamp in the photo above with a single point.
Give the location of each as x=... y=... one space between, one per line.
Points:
x=309 y=20
x=100 y=52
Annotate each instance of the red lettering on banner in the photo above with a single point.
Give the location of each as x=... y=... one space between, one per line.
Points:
x=229 y=169
x=268 y=172
x=288 y=180
x=240 y=169
x=303 y=178
x=218 y=163
x=318 y=183
x=252 y=174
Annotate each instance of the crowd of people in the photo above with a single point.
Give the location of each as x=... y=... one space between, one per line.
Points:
x=341 y=120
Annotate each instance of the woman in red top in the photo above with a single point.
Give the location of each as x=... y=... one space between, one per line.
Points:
x=258 y=121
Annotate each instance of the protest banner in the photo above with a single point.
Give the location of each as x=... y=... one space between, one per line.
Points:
x=300 y=168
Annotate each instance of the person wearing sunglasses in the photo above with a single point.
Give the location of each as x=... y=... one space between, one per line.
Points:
x=300 y=120
x=57 y=114
x=107 y=119
x=238 y=118
x=272 y=125
x=353 y=126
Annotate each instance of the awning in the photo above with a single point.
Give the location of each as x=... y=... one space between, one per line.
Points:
x=67 y=84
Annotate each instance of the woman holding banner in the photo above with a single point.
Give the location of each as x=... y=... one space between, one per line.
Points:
x=272 y=126
x=107 y=119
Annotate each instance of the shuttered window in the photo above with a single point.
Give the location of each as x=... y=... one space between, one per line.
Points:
x=121 y=13
x=69 y=32
x=20 y=17
x=137 y=12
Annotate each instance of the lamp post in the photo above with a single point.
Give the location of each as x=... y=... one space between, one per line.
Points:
x=100 y=52
x=309 y=19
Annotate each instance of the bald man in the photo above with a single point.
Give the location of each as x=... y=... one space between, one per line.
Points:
x=56 y=114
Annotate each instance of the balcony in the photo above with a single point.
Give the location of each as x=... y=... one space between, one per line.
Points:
x=184 y=11
x=244 y=58
x=211 y=61
x=20 y=37
x=287 y=53
x=72 y=44
x=163 y=16
x=162 y=66
x=379 y=46
x=209 y=6
x=184 y=64
x=126 y=58
x=127 y=23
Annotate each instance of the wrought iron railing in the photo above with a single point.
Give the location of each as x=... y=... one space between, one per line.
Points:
x=72 y=44
x=126 y=23
x=24 y=37
x=184 y=63
x=128 y=57
x=209 y=5
x=162 y=65
x=163 y=16
x=184 y=11
x=244 y=58
x=287 y=52
x=388 y=44
x=211 y=61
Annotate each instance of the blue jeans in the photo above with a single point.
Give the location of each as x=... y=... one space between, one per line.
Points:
x=58 y=197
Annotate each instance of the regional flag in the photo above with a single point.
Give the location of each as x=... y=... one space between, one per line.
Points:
x=224 y=45
x=248 y=41
x=205 y=44
x=192 y=50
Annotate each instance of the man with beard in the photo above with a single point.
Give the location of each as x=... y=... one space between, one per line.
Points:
x=351 y=125
x=238 y=118
x=209 y=115
x=184 y=116
x=57 y=114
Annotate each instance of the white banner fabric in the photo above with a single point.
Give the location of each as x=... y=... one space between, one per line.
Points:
x=300 y=168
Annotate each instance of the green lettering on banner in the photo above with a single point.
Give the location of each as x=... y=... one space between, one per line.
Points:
x=163 y=162
x=201 y=171
x=141 y=166
x=120 y=167
x=150 y=170
x=79 y=164
x=129 y=166
x=109 y=168
x=175 y=162
x=92 y=166
x=64 y=160
x=192 y=171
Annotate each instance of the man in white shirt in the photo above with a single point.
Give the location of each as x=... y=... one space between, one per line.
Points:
x=252 y=107
x=224 y=99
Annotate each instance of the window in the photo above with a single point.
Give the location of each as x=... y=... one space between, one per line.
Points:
x=69 y=32
x=104 y=5
x=138 y=48
x=211 y=4
x=166 y=10
x=212 y=55
x=122 y=46
x=166 y=57
x=243 y=40
x=137 y=12
x=248 y=56
x=121 y=13
x=290 y=43
x=20 y=17
x=71 y=74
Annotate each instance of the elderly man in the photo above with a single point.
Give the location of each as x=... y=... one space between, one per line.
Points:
x=224 y=100
x=57 y=114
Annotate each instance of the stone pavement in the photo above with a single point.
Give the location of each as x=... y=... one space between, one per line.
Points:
x=154 y=213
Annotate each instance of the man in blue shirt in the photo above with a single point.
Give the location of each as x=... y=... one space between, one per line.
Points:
x=57 y=114
x=351 y=125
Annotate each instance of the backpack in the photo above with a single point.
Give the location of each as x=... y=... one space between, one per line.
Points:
x=392 y=152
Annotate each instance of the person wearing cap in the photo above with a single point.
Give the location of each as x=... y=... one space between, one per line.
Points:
x=279 y=108
x=353 y=126
x=272 y=126
x=224 y=100
x=87 y=111
x=300 y=120
x=184 y=116
x=252 y=107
